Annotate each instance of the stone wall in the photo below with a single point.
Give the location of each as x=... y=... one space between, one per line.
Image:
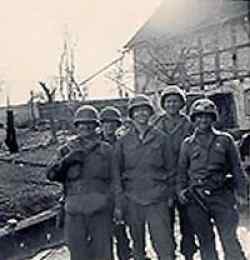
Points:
x=64 y=111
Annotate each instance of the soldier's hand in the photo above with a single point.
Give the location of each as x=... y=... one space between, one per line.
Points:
x=183 y=196
x=241 y=198
x=53 y=171
x=73 y=157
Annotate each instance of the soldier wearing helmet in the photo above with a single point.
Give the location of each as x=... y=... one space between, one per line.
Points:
x=177 y=126
x=204 y=106
x=209 y=166
x=173 y=90
x=86 y=120
x=83 y=166
x=141 y=160
x=111 y=120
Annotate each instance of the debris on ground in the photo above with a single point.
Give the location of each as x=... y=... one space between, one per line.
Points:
x=24 y=188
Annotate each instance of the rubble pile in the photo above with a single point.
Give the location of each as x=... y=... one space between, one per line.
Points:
x=24 y=189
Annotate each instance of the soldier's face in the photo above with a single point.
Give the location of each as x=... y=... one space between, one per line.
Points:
x=141 y=114
x=86 y=129
x=173 y=104
x=204 y=121
x=109 y=127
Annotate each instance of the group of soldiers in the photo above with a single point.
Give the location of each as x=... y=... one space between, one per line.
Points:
x=154 y=172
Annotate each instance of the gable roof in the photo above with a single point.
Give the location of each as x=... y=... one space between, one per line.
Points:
x=179 y=16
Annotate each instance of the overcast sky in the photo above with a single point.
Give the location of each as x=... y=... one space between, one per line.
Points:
x=32 y=38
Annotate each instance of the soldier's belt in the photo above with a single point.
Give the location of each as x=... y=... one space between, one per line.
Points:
x=76 y=187
x=209 y=187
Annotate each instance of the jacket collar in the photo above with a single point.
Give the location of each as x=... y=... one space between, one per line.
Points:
x=182 y=119
x=211 y=138
x=149 y=135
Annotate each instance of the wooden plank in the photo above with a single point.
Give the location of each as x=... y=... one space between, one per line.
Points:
x=36 y=219
x=21 y=161
x=229 y=49
x=43 y=216
x=208 y=82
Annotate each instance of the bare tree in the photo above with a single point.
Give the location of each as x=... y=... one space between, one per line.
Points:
x=49 y=93
x=69 y=88
x=121 y=76
x=205 y=56
x=169 y=62
x=50 y=97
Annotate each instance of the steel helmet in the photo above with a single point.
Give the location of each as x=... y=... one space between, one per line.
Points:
x=86 y=114
x=139 y=100
x=173 y=90
x=110 y=113
x=204 y=106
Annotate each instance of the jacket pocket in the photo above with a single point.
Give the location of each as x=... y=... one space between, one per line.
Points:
x=131 y=155
x=218 y=154
x=196 y=154
x=156 y=154
x=86 y=204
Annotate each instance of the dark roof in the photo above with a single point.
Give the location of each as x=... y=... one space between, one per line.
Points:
x=177 y=17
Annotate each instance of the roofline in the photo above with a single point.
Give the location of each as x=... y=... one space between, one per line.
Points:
x=132 y=42
x=129 y=44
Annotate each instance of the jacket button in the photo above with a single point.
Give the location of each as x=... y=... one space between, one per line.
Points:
x=199 y=181
x=207 y=192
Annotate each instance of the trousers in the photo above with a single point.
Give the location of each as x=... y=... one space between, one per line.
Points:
x=224 y=213
x=122 y=241
x=188 y=246
x=89 y=237
x=157 y=216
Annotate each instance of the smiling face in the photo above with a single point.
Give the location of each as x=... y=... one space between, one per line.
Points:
x=86 y=129
x=173 y=104
x=204 y=121
x=141 y=114
x=110 y=126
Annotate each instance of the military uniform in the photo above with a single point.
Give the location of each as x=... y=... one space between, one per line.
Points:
x=177 y=129
x=205 y=161
x=112 y=114
x=119 y=230
x=176 y=132
x=142 y=165
x=84 y=168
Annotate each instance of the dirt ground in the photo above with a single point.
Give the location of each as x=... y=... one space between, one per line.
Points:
x=243 y=233
x=63 y=253
x=24 y=189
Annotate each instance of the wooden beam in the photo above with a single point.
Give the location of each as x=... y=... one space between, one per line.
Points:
x=201 y=63
x=36 y=219
x=234 y=49
x=217 y=56
x=229 y=49
x=24 y=162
